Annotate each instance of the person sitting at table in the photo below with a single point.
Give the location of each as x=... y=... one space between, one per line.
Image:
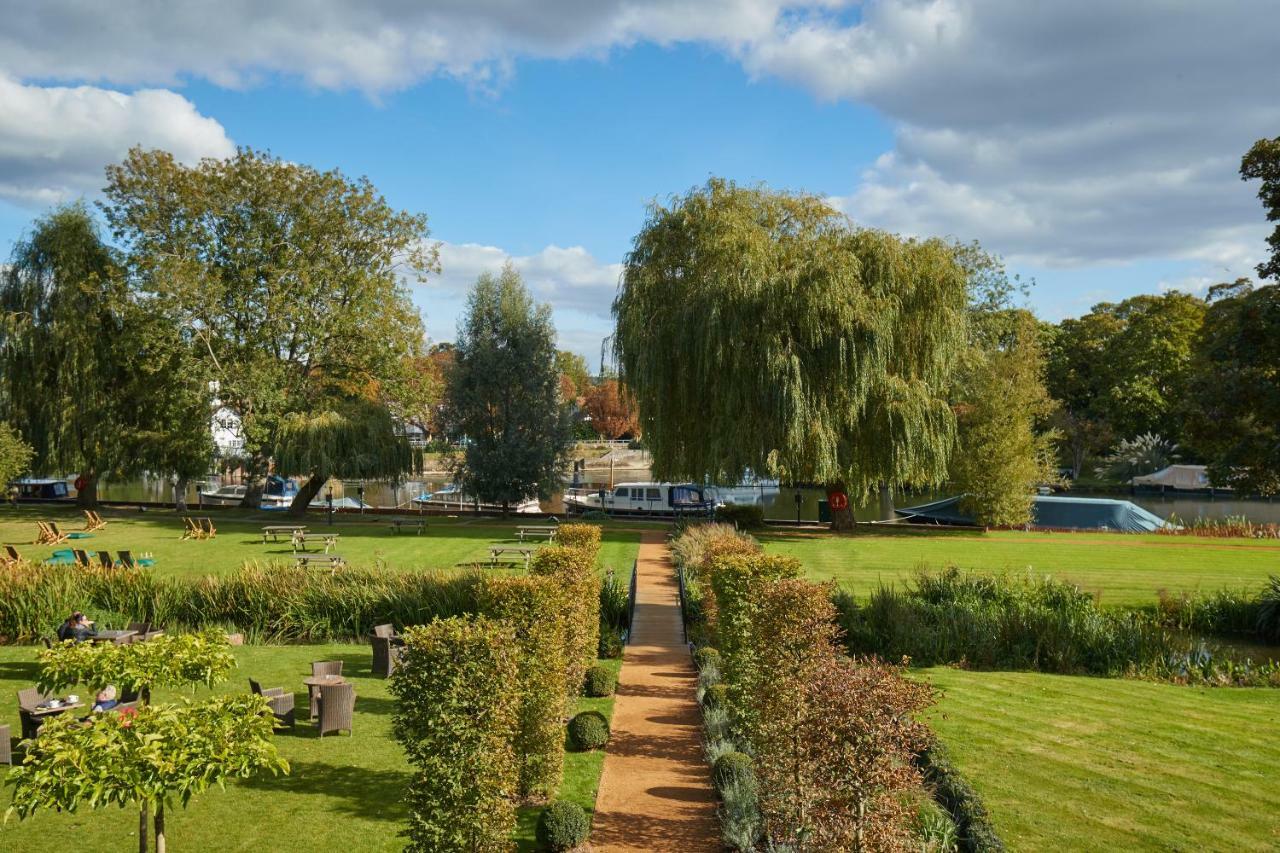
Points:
x=105 y=700
x=77 y=627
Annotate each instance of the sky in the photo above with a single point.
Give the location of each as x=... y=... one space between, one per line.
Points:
x=1093 y=144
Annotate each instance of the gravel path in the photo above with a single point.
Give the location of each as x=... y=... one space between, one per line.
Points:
x=655 y=790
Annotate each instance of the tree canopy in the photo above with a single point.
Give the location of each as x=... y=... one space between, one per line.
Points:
x=503 y=394
x=1262 y=163
x=612 y=411
x=761 y=330
x=290 y=279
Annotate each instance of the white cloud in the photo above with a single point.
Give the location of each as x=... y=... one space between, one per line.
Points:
x=55 y=141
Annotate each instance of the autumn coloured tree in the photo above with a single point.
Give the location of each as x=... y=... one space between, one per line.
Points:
x=612 y=411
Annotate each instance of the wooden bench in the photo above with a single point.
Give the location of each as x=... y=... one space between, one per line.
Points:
x=275 y=531
x=300 y=540
x=333 y=561
x=501 y=552
x=420 y=524
x=547 y=532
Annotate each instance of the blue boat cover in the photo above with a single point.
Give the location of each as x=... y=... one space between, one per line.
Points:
x=1057 y=512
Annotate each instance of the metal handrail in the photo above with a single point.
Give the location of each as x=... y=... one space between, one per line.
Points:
x=631 y=602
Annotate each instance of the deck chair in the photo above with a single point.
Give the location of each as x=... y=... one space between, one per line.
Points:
x=82 y=557
x=104 y=557
x=206 y=527
x=11 y=556
x=191 y=529
x=93 y=521
x=46 y=536
x=126 y=560
x=58 y=535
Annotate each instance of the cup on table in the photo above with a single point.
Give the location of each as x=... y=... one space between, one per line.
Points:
x=73 y=699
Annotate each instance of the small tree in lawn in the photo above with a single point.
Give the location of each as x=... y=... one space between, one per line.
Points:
x=15 y=454
x=171 y=660
x=504 y=395
x=149 y=759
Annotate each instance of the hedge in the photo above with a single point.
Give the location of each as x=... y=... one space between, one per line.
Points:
x=585 y=536
x=957 y=796
x=575 y=570
x=457 y=717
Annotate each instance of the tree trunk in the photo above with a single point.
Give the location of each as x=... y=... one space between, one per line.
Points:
x=87 y=498
x=180 y=495
x=160 y=845
x=306 y=494
x=886 y=502
x=841 y=519
x=144 y=820
x=255 y=475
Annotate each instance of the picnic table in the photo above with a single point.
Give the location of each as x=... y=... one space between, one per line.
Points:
x=499 y=551
x=544 y=531
x=333 y=561
x=44 y=709
x=300 y=540
x=110 y=636
x=275 y=531
x=398 y=524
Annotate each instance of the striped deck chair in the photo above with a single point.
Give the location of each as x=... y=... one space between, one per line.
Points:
x=191 y=529
x=104 y=557
x=82 y=558
x=93 y=521
x=206 y=527
x=46 y=536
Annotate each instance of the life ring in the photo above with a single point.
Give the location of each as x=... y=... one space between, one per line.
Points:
x=838 y=501
x=80 y=483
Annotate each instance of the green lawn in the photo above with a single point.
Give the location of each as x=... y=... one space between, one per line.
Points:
x=344 y=793
x=1123 y=569
x=1082 y=764
x=445 y=544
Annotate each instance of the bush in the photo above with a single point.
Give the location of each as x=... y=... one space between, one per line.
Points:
x=957 y=796
x=588 y=730
x=741 y=516
x=601 y=681
x=698 y=542
x=611 y=645
x=584 y=536
x=457 y=717
x=715 y=696
x=733 y=768
x=1268 y=619
x=575 y=570
x=563 y=826
x=706 y=656
x=740 y=825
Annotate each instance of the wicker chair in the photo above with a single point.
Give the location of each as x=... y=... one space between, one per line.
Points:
x=28 y=699
x=386 y=656
x=337 y=704
x=384 y=631
x=280 y=700
x=319 y=668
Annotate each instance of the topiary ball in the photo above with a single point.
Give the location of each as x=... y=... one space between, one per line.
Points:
x=563 y=826
x=589 y=730
x=610 y=643
x=714 y=697
x=733 y=767
x=706 y=656
x=601 y=681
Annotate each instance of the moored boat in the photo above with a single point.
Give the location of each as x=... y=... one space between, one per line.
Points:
x=648 y=498
x=453 y=498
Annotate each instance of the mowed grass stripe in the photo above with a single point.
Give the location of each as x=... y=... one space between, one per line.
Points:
x=1102 y=764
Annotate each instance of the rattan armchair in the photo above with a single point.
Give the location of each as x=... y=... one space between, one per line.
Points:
x=280 y=700
x=386 y=655
x=321 y=668
x=28 y=699
x=384 y=631
x=337 y=705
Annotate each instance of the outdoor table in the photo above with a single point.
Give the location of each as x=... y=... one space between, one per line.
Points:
x=333 y=561
x=45 y=710
x=275 y=531
x=399 y=523
x=301 y=539
x=547 y=531
x=315 y=682
x=117 y=637
x=502 y=550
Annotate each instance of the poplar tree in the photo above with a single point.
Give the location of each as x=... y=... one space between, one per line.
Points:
x=762 y=331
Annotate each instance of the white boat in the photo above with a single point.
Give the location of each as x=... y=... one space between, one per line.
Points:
x=278 y=493
x=751 y=492
x=453 y=498
x=645 y=498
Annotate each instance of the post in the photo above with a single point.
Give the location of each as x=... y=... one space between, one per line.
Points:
x=799 y=501
x=329 y=498
x=360 y=496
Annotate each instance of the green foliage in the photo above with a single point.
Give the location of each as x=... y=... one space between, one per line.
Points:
x=733 y=768
x=1262 y=162
x=1137 y=457
x=573 y=368
x=1234 y=417
x=735 y=581
x=741 y=516
x=601 y=681
x=1002 y=453
x=1268 y=621
x=151 y=758
x=715 y=696
x=457 y=718
x=575 y=570
x=563 y=826
x=706 y=657
x=584 y=536
x=15 y=454
x=935 y=827
x=271 y=602
x=843 y=340
x=615 y=615
x=170 y=660
x=972 y=823
x=699 y=543
x=1223 y=612
x=589 y=730
x=536 y=609
x=504 y=394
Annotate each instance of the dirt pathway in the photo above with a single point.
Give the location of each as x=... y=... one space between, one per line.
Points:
x=655 y=790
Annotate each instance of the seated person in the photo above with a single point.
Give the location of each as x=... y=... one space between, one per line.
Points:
x=105 y=700
x=77 y=627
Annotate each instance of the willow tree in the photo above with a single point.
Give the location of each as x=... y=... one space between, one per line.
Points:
x=292 y=280
x=358 y=439
x=61 y=346
x=761 y=330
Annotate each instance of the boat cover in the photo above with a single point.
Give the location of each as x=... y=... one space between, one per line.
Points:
x=1063 y=513
x=1191 y=477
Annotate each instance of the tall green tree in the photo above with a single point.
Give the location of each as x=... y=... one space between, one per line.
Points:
x=15 y=454
x=503 y=394
x=62 y=345
x=1234 y=416
x=761 y=330
x=289 y=279
x=1262 y=163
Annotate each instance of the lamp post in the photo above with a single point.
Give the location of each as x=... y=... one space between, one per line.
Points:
x=329 y=499
x=360 y=497
x=799 y=501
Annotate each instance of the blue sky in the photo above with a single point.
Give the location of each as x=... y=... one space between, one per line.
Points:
x=539 y=135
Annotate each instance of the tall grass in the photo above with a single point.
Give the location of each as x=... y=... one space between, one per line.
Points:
x=1231 y=527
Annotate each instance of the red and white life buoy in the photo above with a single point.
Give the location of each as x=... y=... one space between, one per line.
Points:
x=838 y=501
x=80 y=483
